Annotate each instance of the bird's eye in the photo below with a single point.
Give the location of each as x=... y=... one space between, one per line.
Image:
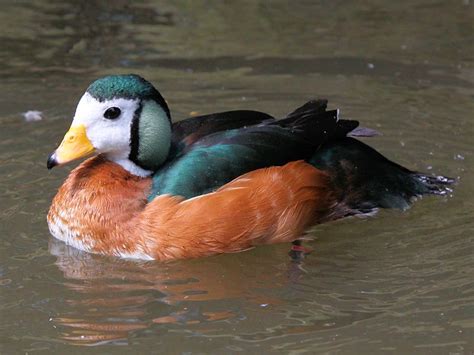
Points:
x=112 y=113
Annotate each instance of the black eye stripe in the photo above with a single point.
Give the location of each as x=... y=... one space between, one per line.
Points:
x=112 y=113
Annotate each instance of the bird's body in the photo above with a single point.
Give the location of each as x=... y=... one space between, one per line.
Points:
x=102 y=208
x=212 y=184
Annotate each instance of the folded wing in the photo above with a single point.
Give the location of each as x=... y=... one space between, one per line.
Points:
x=215 y=159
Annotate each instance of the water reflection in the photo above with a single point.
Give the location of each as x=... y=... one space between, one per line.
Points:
x=112 y=300
x=113 y=297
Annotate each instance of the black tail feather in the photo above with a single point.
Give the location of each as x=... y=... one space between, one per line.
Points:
x=435 y=185
x=366 y=180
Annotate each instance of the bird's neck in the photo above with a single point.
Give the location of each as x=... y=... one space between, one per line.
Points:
x=129 y=165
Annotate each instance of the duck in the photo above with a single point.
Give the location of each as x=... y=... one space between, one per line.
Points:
x=225 y=182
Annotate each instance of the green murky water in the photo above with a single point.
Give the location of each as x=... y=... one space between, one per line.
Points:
x=397 y=283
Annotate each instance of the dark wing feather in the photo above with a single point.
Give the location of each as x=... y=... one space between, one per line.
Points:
x=218 y=158
x=188 y=131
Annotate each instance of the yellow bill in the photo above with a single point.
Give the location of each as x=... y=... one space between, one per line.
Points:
x=75 y=145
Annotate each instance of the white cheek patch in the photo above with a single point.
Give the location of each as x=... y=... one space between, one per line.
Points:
x=107 y=136
x=111 y=137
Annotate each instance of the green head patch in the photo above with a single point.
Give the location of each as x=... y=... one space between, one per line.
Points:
x=130 y=86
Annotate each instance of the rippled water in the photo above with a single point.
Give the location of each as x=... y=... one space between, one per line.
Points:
x=399 y=283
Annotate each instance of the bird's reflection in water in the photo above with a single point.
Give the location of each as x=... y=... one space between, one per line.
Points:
x=112 y=298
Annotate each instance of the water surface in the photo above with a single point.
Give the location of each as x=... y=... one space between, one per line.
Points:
x=398 y=283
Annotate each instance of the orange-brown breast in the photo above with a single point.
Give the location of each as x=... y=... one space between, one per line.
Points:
x=106 y=208
x=94 y=208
